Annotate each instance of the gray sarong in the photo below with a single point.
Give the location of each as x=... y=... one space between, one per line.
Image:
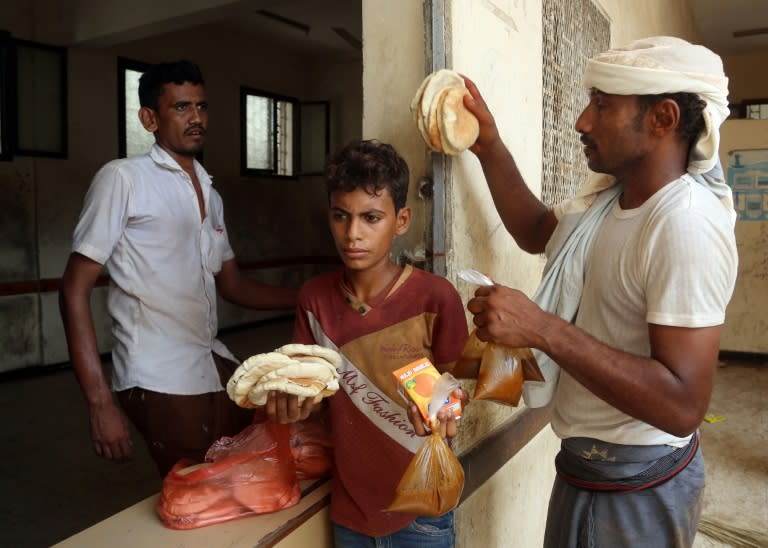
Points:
x=662 y=515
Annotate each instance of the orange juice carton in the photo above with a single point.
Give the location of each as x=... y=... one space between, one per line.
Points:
x=415 y=383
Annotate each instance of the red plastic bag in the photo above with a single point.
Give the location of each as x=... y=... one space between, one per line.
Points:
x=250 y=473
x=311 y=446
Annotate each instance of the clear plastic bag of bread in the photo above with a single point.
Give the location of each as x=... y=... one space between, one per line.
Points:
x=244 y=475
x=434 y=479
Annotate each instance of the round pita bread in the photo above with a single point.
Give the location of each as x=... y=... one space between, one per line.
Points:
x=250 y=371
x=298 y=387
x=418 y=117
x=439 y=80
x=425 y=107
x=295 y=350
x=314 y=360
x=458 y=127
x=435 y=142
x=323 y=372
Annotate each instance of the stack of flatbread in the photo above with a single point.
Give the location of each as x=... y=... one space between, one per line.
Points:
x=439 y=112
x=305 y=370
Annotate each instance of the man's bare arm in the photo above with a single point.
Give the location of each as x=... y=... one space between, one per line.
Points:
x=669 y=390
x=109 y=429
x=236 y=288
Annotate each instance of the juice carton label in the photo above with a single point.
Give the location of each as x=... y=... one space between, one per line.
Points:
x=415 y=383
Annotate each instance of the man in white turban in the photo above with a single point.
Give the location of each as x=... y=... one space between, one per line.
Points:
x=626 y=324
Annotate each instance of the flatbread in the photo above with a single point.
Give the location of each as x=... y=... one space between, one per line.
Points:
x=295 y=350
x=458 y=127
x=250 y=371
x=435 y=142
x=418 y=117
x=298 y=387
x=323 y=372
x=439 y=80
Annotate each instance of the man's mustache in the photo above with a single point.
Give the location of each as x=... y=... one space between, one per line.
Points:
x=587 y=141
x=196 y=127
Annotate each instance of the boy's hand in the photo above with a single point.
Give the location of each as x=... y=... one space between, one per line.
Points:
x=285 y=408
x=448 y=426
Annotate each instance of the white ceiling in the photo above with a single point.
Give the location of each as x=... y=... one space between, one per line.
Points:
x=717 y=20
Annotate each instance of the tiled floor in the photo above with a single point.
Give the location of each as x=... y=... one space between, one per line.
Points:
x=736 y=448
x=54 y=486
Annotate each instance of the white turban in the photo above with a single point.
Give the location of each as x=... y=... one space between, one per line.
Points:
x=664 y=64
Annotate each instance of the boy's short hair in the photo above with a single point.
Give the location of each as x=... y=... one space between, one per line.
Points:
x=370 y=165
x=156 y=76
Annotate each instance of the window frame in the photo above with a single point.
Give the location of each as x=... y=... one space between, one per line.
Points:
x=245 y=91
x=745 y=104
x=62 y=151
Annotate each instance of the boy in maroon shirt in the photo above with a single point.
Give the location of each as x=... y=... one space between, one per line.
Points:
x=379 y=316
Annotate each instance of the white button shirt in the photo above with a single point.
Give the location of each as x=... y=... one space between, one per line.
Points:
x=141 y=219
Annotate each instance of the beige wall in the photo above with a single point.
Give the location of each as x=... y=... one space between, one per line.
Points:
x=748 y=75
x=746 y=322
x=392 y=70
x=631 y=19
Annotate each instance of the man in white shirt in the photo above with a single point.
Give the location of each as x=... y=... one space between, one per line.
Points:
x=157 y=224
x=638 y=349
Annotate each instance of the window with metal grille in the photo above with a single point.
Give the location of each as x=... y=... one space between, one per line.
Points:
x=573 y=31
x=268 y=134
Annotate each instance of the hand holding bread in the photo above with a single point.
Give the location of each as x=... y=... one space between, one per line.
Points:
x=306 y=371
x=438 y=109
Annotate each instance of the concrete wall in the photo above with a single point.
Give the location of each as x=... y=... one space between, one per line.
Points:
x=392 y=71
x=746 y=321
x=748 y=77
x=268 y=218
x=631 y=20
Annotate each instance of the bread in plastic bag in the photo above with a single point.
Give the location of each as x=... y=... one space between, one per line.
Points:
x=434 y=479
x=311 y=446
x=244 y=475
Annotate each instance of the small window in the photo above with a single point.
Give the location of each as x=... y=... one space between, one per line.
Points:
x=133 y=138
x=268 y=131
x=757 y=110
x=40 y=100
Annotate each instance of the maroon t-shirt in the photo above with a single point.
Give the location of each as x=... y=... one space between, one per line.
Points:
x=418 y=315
